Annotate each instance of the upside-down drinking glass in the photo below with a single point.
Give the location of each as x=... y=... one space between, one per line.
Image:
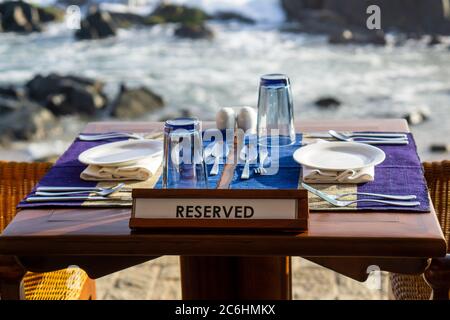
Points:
x=184 y=166
x=275 y=111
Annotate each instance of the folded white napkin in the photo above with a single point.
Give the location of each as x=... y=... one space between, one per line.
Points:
x=313 y=175
x=141 y=170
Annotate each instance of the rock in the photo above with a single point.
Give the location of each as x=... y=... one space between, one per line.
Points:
x=171 y=13
x=42 y=86
x=97 y=25
x=418 y=116
x=232 y=16
x=133 y=103
x=366 y=37
x=414 y=118
x=73 y=2
x=184 y=113
x=434 y=40
x=423 y=16
x=11 y=92
x=426 y=112
x=321 y=21
x=24 y=120
x=201 y=31
x=19 y=16
x=76 y=99
x=293 y=9
x=327 y=102
x=127 y=19
x=440 y=148
x=68 y=94
x=50 y=14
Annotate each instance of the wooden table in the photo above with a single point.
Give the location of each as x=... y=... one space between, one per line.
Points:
x=226 y=265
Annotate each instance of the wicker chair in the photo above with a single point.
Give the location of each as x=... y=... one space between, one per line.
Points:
x=414 y=287
x=16 y=181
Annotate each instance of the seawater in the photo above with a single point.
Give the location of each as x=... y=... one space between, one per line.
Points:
x=201 y=76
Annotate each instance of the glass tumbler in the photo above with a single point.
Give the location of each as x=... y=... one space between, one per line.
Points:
x=275 y=123
x=184 y=166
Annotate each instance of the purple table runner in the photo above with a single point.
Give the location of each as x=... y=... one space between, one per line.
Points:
x=401 y=173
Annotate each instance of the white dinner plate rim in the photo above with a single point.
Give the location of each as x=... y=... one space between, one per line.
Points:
x=83 y=156
x=381 y=154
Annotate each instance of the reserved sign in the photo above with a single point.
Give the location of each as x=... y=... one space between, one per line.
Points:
x=192 y=209
x=216 y=208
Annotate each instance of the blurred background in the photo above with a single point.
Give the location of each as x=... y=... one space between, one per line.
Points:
x=64 y=63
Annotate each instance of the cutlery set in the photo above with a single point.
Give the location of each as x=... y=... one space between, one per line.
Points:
x=54 y=194
x=367 y=138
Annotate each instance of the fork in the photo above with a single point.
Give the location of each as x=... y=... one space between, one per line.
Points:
x=263 y=154
x=378 y=195
x=110 y=135
x=341 y=203
x=53 y=191
x=248 y=153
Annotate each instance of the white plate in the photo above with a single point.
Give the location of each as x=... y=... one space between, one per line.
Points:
x=121 y=152
x=339 y=155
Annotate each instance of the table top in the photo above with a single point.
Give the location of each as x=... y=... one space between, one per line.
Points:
x=106 y=232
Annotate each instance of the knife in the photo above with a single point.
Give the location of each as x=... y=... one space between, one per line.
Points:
x=71 y=198
x=81 y=189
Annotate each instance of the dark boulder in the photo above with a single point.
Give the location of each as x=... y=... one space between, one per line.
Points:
x=294 y=9
x=434 y=40
x=133 y=103
x=232 y=16
x=437 y=147
x=127 y=19
x=183 y=113
x=76 y=99
x=68 y=94
x=420 y=16
x=24 y=120
x=417 y=116
x=11 y=92
x=97 y=25
x=320 y=22
x=327 y=102
x=73 y=2
x=171 y=13
x=191 y=31
x=375 y=37
x=19 y=16
x=50 y=14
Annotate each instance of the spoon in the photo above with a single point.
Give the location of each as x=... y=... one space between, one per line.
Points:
x=101 y=192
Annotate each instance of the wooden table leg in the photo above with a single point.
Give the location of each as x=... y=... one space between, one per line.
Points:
x=437 y=276
x=11 y=275
x=236 y=278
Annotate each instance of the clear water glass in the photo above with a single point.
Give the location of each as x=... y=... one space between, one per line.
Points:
x=275 y=124
x=184 y=166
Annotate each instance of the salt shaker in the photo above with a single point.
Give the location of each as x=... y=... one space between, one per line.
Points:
x=246 y=120
x=225 y=118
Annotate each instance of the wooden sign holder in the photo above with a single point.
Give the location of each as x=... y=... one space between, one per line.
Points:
x=300 y=223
